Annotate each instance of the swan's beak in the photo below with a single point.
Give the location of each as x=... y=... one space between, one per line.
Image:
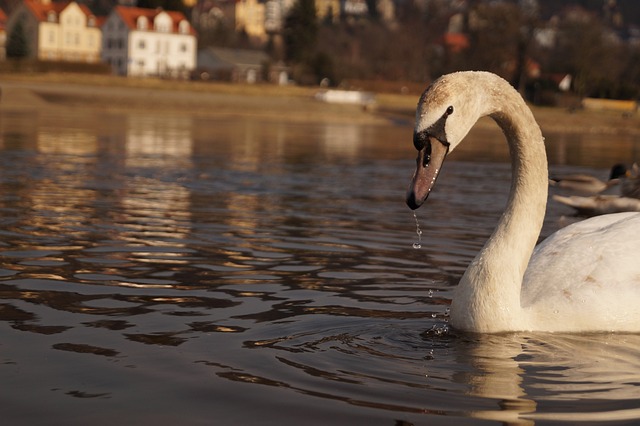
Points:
x=428 y=165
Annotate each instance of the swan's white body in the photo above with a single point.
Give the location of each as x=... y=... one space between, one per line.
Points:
x=584 y=278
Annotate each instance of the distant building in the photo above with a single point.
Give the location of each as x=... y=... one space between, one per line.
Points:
x=259 y=18
x=57 y=31
x=275 y=12
x=328 y=10
x=242 y=16
x=239 y=65
x=248 y=17
x=455 y=42
x=354 y=8
x=148 y=42
x=387 y=11
x=3 y=35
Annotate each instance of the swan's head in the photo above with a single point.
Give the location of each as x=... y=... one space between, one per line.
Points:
x=446 y=112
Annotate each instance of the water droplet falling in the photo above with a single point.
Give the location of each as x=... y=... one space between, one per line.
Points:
x=417 y=244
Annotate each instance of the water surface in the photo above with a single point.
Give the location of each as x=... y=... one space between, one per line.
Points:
x=161 y=270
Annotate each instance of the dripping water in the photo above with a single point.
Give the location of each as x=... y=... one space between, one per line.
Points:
x=418 y=243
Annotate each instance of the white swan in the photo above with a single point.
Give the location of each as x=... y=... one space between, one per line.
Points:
x=583 y=278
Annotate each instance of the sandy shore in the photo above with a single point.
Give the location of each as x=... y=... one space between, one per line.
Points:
x=77 y=93
x=116 y=95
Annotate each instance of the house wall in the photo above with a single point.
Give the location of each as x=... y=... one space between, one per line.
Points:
x=160 y=54
x=115 y=44
x=150 y=49
x=78 y=40
x=48 y=41
x=64 y=37
x=250 y=17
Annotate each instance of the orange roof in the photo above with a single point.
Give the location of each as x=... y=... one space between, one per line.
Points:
x=3 y=19
x=40 y=9
x=130 y=15
x=456 y=41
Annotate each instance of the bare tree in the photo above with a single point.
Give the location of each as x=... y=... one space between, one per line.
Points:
x=588 y=52
x=495 y=38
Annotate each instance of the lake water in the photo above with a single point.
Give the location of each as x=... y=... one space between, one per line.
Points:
x=174 y=270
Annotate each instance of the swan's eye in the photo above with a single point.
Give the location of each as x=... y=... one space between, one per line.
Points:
x=450 y=110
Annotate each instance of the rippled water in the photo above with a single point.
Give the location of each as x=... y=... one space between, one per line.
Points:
x=159 y=270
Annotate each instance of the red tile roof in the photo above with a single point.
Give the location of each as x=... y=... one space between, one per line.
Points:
x=456 y=42
x=40 y=9
x=130 y=15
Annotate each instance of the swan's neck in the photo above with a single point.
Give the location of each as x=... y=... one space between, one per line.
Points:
x=488 y=296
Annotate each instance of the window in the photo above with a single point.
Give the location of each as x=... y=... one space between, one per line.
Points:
x=141 y=45
x=183 y=47
x=183 y=27
x=162 y=23
x=51 y=16
x=143 y=23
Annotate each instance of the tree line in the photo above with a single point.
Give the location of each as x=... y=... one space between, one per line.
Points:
x=500 y=37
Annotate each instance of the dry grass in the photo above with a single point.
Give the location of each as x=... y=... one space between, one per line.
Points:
x=266 y=101
x=160 y=84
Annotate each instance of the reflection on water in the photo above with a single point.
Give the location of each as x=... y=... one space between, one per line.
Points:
x=173 y=269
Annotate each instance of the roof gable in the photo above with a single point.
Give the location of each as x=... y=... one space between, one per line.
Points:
x=130 y=15
x=41 y=10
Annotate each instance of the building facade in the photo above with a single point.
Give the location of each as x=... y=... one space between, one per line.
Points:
x=57 y=31
x=3 y=35
x=148 y=42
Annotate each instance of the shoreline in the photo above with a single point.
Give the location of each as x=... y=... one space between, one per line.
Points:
x=111 y=94
x=61 y=93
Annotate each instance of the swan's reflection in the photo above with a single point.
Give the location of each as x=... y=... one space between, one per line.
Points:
x=544 y=376
x=149 y=259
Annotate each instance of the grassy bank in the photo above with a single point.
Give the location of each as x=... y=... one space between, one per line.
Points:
x=119 y=94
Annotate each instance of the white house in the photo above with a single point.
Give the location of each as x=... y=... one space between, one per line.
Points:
x=57 y=31
x=148 y=42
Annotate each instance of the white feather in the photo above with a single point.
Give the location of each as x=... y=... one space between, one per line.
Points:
x=584 y=278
